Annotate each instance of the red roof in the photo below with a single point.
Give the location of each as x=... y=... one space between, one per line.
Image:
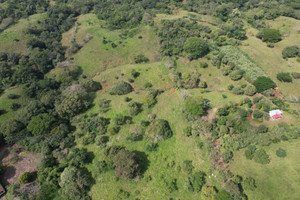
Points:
x=277 y=116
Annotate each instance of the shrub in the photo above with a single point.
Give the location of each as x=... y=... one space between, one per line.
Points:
x=15 y=106
x=290 y=52
x=134 y=73
x=230 y=87
x=248 y=154
x=269 y=93
x=134 y=108
x=284 y=77
x=250 y=90
x=126 y=164
x=271 y=35
x=187 y=131
x=147 y=85
x=223 y=195
x=41 y=124
x=261 y=157
x=121 y=88
x=249 y=184
x=257 y=114
x=263 y=83
x=281 y=153
x=227 y=156
x=141 y=59
x=238 y=90
x=235 y=75
x=296 y=75
x=187 y=166
x=160 y=129
x=151 y=147
x=195 y=47
x=203 y=65
x=101 y=140
x=196 y=106
x=195 y=181
x=26 y=177
x=13 y=96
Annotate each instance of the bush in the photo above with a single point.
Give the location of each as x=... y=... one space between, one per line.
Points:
x=290 y=52
x=140 y=59
x=263 y=83
x=250 y=90
x=13 y=96
x=248 y=154
x=296 y=75
x=230 y=87
x=147 y=85
x=121 y=88
x=238 y=90
x=126 y=164
x=187 y=131
x=261 y=157
x=196 y=106
x=227 y=156
x=134 y=108
x=15 y=106
x=195 y=47
x=235 y=75
x=41 y=124
x=257 y=114
x=271 y=35
x=187 y=166
x=249 y=184
x=26 y=177
x=284 y=77
x=160 y=129
x=203 y=65
x=281 y=153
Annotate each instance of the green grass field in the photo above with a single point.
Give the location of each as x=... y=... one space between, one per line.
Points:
x=13 y=39
x=5 y=103
x=277 y=180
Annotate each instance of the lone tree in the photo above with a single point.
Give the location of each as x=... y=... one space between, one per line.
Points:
x=263 y=83
x=121 y=88
x=160 y=128
x=126 y=164
x=271 y=35
x=195 y=47
x=196 y=106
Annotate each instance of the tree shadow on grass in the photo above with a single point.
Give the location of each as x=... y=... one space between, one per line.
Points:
x=142 y=160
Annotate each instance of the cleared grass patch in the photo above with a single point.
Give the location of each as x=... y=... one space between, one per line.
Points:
x=277 y=180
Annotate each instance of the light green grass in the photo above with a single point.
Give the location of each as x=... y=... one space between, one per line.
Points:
x=97 y=57
x=5 y=103
x=271 y=59
x=278 y=180
x=13 y=39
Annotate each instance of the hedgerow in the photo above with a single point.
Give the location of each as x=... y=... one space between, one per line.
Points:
x=233 y=57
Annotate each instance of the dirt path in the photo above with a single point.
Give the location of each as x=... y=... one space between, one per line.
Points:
x=212 y=114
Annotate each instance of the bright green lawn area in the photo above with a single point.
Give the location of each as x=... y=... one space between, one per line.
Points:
x=95 y=56
x=13 y=39
x=277 y=180
x=271 y=59
x=5 y=103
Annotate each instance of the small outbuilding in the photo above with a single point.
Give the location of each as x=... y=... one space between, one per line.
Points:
x=275 y=114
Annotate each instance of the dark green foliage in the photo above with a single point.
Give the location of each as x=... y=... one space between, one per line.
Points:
x=257 y=114
x=171 y=185
x=103 y=166
x=281 y=153
x=134 y=73
x=227 y=156
x=74 y=183
x=126 y=164
x=151 y=147
x=112 y=130
x=15 y=106
x=160 y=129
x=235 y=75
x=243 y=113
x=223 y=111
x=78 y=157
x=200 y=145
x=195 y=181
x=187 y=131
x=120 y=120
x=173 y=34
x=250 y=90
x=284 y=77
x=104 y=105
x=223 y=195
x=262 y=129
x=263 y=83
x=195 y=47
x=249 y=184
x=121 y=88
x=238 y=90
x=187 y=166
x=261 y=157
x=26 y=177
x=72 y=104
x=196 y=106
x=147 y=85
x=101 y=140
x=41 y=124
x=290 y=51
x=13 y=96
x=271 y=35
x=134 y=108
x=203 y=65
x=90 y=85
x=230 y=87
x=141 y=59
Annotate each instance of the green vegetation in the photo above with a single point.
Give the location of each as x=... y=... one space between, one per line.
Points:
x=188 y=118
x=195 y=47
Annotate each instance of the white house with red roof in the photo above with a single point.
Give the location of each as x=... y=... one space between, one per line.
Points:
x=275 y=114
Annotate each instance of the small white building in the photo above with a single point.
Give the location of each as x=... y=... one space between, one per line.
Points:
x=275 y=114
